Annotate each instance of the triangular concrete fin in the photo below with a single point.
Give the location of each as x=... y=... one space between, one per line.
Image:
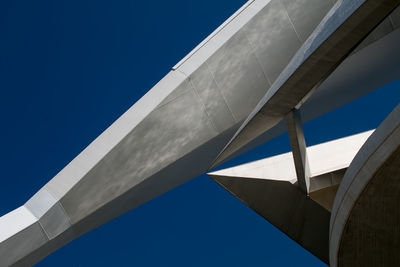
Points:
x=285 y=206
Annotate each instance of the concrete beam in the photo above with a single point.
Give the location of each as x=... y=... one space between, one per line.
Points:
x=299 y=149
x=170 y=135
x=339 y=33
x=364 y=71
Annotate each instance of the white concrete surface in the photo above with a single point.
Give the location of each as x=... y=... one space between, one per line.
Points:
x=323 y=158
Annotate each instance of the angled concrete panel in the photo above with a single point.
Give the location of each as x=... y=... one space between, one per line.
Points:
x=273 y=38
x=163 y=137
x=305 y=21
x=346 y=24
x=90 y=156
x=174 y=132
x=212 y=98
x=298 y=216
x=304 y=218
x=40 y=203
x=235 y=67
x=362 y=72
x=55 y=221
x=324 y=158
x=20 y=234
x=184 y=88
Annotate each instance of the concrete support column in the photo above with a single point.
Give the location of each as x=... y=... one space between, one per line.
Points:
x=299 y=150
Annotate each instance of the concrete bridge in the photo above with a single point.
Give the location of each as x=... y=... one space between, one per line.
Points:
x=273 y=65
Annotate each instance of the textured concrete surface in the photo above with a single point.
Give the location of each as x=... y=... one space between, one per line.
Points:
x=178 y=128
x=298 y=216
x=360 y=73
x=364 y=227
x=170 y=135
x=338 y=34
x=264 y=183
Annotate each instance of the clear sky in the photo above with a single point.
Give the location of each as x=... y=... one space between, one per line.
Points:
x=69 y=68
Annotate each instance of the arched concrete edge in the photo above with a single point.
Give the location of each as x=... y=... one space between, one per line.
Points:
x=377 y=149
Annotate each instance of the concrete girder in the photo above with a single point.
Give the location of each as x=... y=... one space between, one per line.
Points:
x=184 y=120
x=339 y=33
x=363 y=71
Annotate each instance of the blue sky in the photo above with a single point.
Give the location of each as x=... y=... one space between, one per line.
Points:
x=69 y=68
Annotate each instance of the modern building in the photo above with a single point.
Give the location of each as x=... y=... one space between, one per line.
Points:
x=271 y=66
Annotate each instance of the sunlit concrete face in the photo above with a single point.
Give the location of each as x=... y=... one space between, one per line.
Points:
x=370 y=67
x=303 y=217
x=354 y=184
x=338 y=34
x=181 y=125
x=186 y=118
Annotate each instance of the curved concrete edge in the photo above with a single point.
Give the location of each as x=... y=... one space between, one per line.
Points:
x=304 y=218
x=69 y=205
x=377 y=149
